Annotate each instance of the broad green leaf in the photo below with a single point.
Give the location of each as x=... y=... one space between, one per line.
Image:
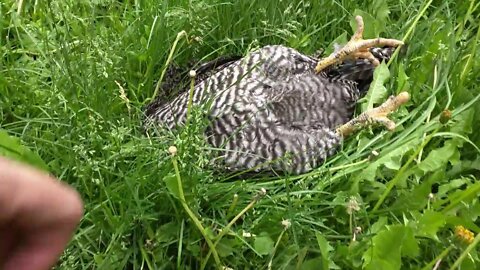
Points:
x=226 y=247
x=394 y=163
x=11 y=147
x=370 y=30
x=325 y=249
x=468 y=264
x=388 y=246
x=312 y=264
x=98 y=259
x=339 y=41
x=194 y=248
x=167 y=232
x=410 y=246
x=379 y=225
x=377 y=93
x=438 y=158
x=263 y=244
x=172 y=184
x=429 y=223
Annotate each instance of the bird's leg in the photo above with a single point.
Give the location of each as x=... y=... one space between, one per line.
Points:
x=357 y=47
x=376 y=115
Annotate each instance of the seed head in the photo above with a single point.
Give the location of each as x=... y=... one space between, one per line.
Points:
x=172 y=150
x=445 y=116
x=352 y=205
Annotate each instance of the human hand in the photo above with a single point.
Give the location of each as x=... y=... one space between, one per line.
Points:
x=38 y=215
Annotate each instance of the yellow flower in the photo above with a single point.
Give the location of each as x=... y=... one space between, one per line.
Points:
x=464 y=234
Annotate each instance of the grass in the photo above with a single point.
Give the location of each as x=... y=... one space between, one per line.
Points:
x=75 y=75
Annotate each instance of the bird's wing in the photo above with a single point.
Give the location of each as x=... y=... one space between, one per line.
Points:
x=206 y=69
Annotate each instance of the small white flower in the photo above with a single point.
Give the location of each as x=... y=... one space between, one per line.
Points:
x=197 y=39
x=286 y=224
x=192 y=73
x=246 y=234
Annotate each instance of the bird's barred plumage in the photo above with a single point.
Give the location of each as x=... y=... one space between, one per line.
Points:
x=270 y=110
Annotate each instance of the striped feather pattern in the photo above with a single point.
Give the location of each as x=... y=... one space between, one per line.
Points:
x=269 y=110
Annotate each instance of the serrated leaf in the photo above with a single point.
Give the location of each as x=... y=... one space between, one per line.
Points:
x=452 y=185
x=417 y=197
x=388 y=246
x=263 y=244
x=462 y=197
x=438 y=158
x=464 y=165
x=379 y=225
x=172 y=184
x=11 y=147
x=377 y=93
x=429 y=223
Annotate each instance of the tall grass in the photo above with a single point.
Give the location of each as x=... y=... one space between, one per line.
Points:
x=75 y=76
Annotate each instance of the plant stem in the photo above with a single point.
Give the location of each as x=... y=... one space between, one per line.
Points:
x=410 y=30
x=192 y=215
x=181 y=34
x=229 y=225
x=269 y=267
x=439 y=257
x=464 y=254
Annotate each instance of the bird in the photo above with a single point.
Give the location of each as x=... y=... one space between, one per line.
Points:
x=276 y=109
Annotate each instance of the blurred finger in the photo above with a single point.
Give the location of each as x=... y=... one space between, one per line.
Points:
x=43 y=211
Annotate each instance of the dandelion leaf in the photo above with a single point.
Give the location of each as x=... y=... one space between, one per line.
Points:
x=11 y=147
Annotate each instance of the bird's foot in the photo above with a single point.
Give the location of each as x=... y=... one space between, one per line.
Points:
x=376 y=115
x=357 y=47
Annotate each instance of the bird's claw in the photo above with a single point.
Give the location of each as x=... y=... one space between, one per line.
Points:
x=376 y=115
x=357 y=47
